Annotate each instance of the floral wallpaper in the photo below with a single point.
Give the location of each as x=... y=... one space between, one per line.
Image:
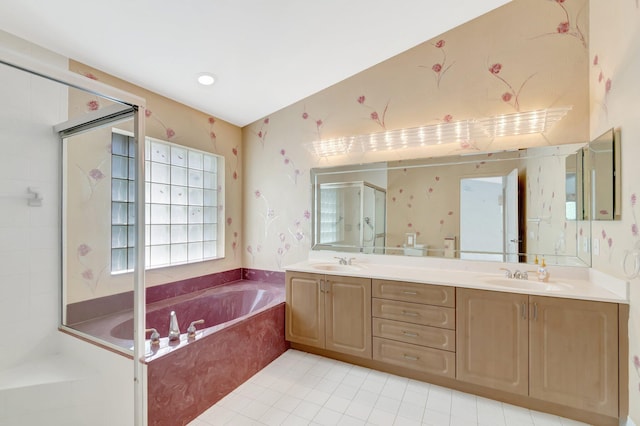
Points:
x=523 y=56
x=526 y=55
x=89 y=191
x=615 y=101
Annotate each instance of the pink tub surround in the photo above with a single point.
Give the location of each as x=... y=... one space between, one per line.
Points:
x=243 y=331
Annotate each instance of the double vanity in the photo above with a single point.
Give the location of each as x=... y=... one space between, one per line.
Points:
x=558 y=346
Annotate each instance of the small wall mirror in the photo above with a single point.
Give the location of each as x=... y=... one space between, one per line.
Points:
x=601 y=173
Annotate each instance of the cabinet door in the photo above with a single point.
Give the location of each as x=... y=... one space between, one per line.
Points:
x=348 y=315
x=305 y=309
x=492 y=339
x=574 y=353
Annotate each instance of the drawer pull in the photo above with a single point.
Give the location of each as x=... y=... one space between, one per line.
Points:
x=410 y=357
x=408 y=333
x=410 y=293
x=409 y=314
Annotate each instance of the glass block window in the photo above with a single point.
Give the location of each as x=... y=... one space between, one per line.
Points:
x=181 y=206
x=123 y=151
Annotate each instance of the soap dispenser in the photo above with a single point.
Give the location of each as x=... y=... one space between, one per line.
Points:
x=543 y=272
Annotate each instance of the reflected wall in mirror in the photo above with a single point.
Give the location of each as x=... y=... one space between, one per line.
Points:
x=428 y=198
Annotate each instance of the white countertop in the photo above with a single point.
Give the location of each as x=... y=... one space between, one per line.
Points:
x=568 y=282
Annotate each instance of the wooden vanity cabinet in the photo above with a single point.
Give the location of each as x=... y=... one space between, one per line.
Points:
x=329 y=312
x=573 y=353
x=559 y=350
x=304 y=311
x=493 y=339
x=414 y=326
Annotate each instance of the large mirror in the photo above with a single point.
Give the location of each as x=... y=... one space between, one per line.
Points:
x=508 y=206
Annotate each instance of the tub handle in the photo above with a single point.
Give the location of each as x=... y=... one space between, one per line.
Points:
x=155 y=336
x=191 y=331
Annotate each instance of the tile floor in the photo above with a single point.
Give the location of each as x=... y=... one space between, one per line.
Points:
x=304 y=389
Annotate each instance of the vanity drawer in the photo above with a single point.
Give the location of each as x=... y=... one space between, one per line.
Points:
x=438 y=338
x=414 y=292
x=436 y=316
x=426 y=360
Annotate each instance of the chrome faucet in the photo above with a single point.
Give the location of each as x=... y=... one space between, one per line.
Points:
x=155 y=336
x=344 y=260
x=507 y=273
x=174 y=328
x=191 y=331
x=518 y=275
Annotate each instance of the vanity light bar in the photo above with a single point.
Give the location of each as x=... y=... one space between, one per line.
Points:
x=463 y=131
x=441 y=133
x=523 y=123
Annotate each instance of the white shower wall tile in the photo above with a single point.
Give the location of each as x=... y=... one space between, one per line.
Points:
x=30 y=263
x=13 y=263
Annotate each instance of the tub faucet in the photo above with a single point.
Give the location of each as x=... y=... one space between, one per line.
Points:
x=174 y=328
x=191 y=331
x=155 y=336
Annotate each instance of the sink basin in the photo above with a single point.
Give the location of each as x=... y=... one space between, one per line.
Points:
x=513 y=283
x=335 y=267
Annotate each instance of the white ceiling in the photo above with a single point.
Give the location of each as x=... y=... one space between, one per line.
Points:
x=265 y=54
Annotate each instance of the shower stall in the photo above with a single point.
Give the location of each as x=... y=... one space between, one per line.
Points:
x=350 y=216
x=48 y=259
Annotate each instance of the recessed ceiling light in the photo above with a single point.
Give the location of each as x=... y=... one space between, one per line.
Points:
x=206 y=79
